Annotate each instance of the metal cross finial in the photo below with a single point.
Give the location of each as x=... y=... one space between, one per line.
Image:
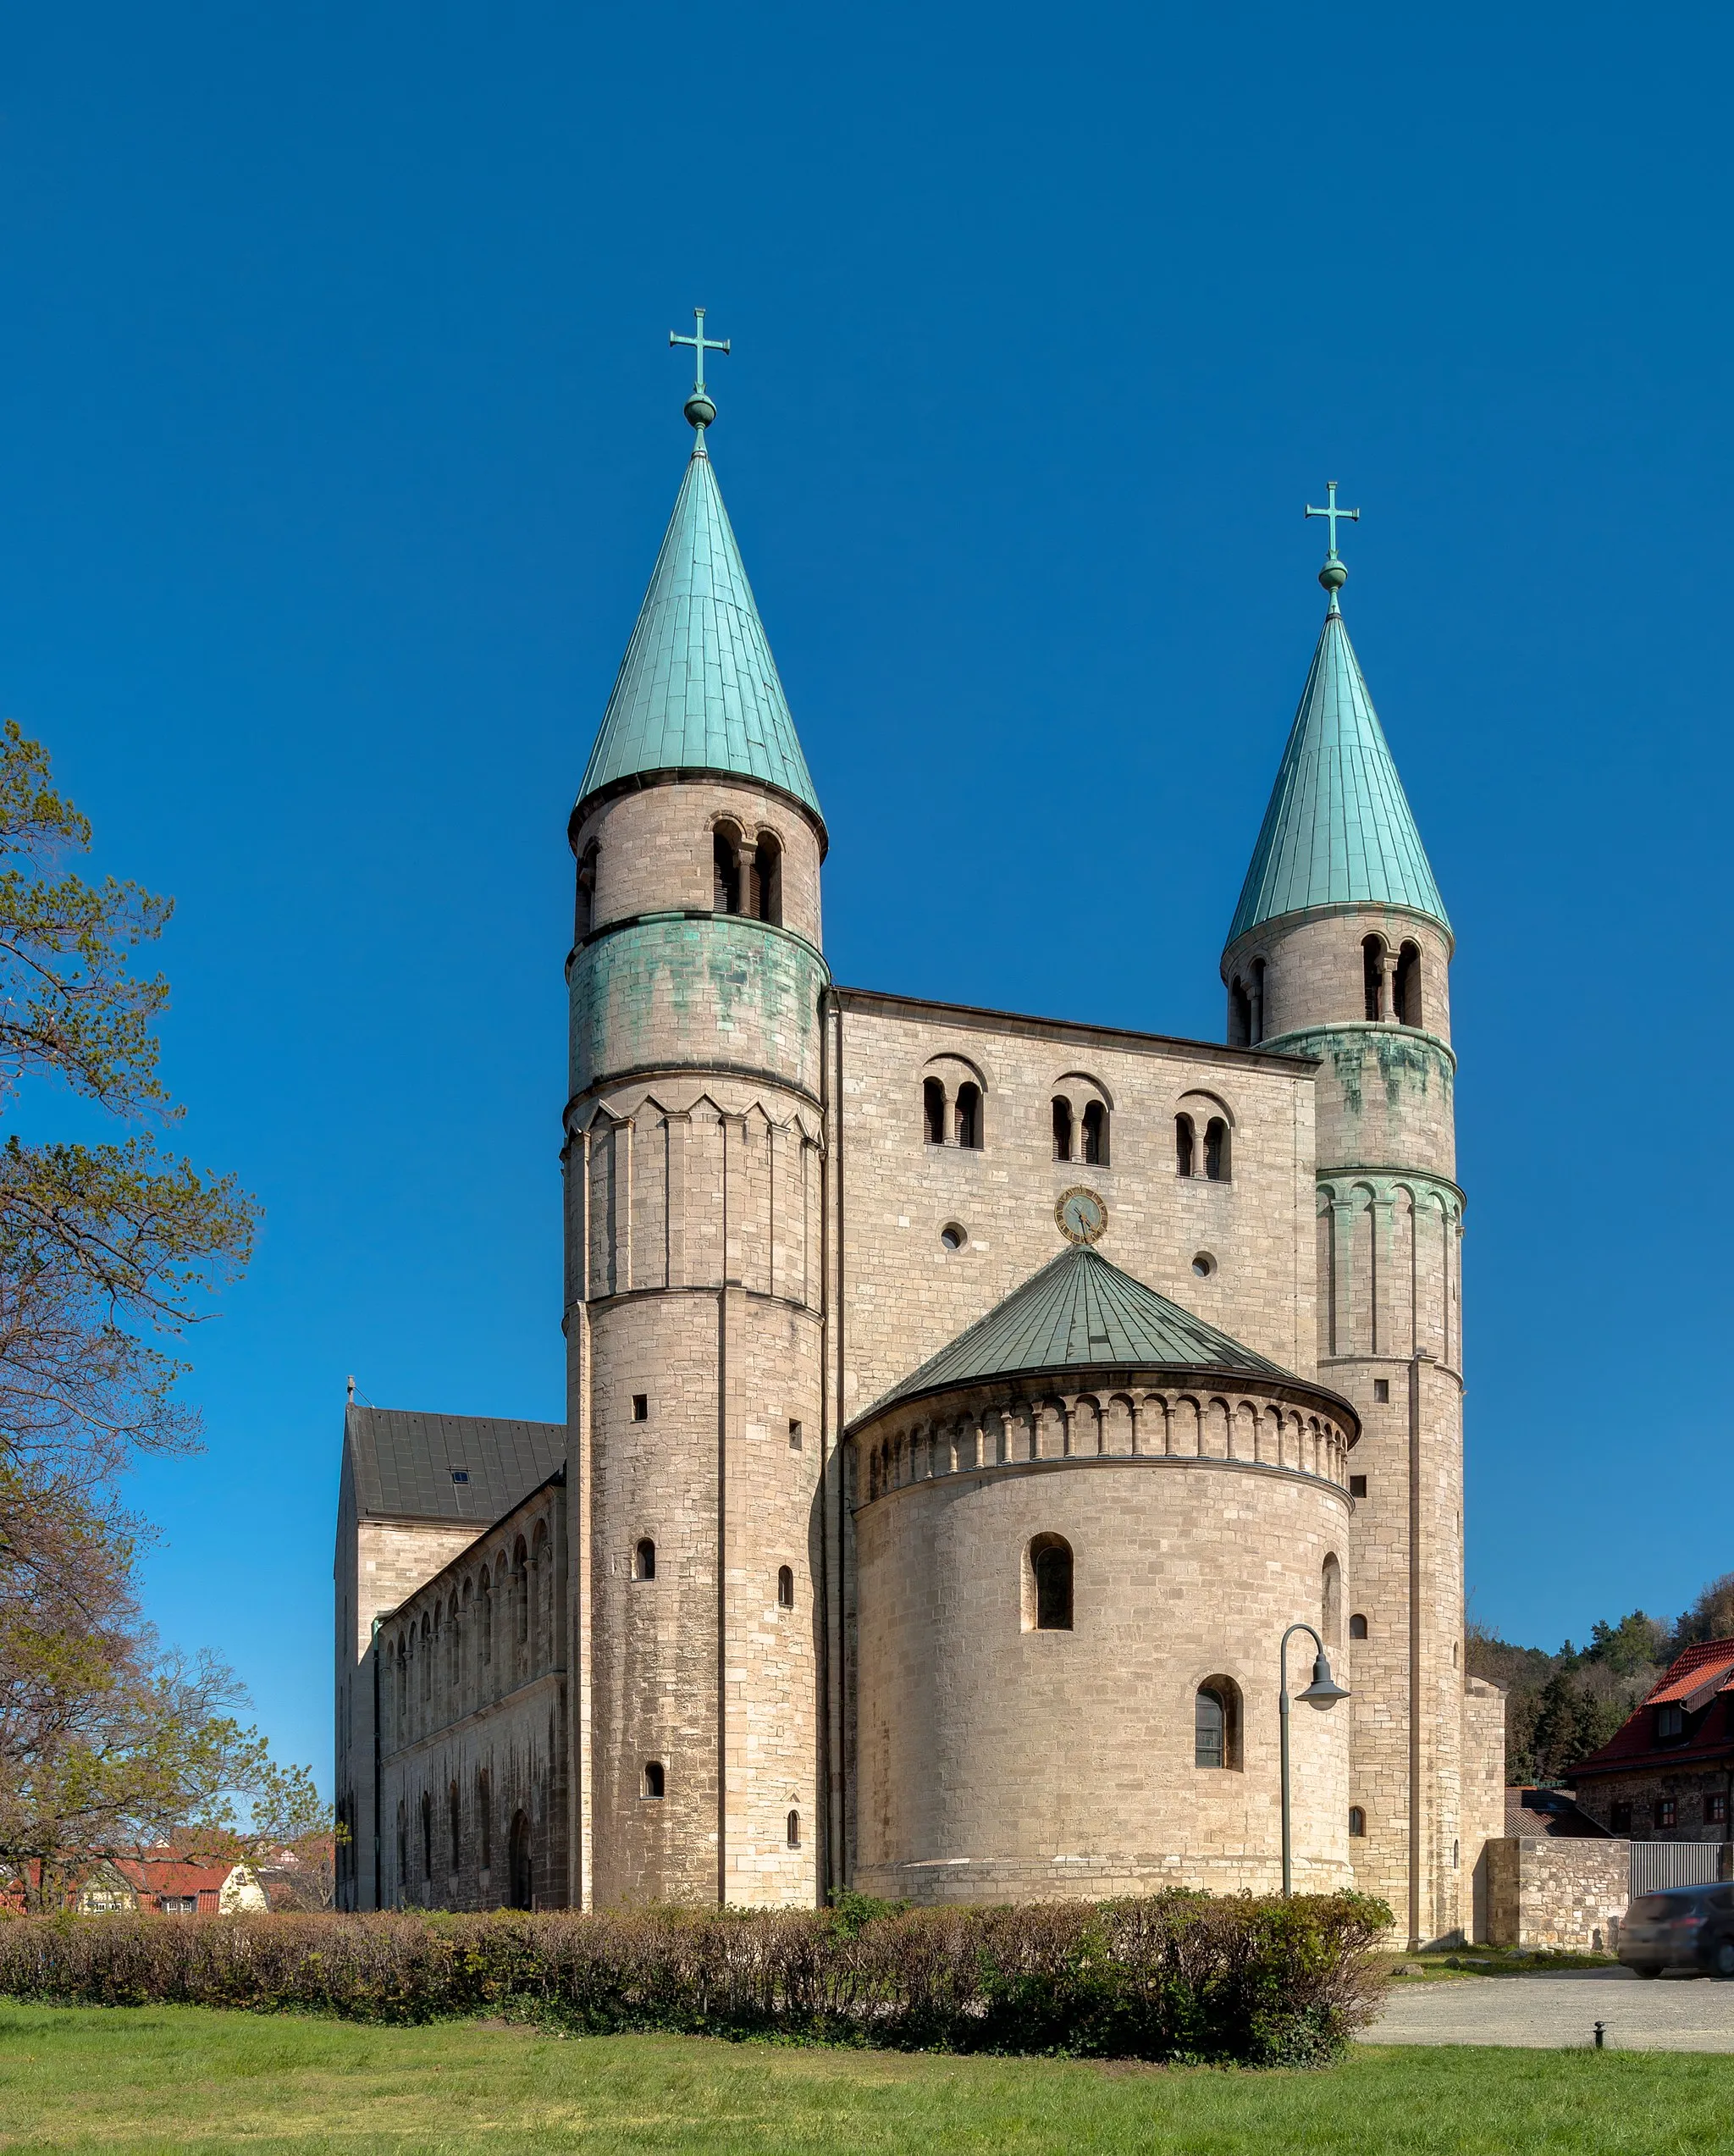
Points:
x=1333 y=576
x=700 y=410
x=1332 y=512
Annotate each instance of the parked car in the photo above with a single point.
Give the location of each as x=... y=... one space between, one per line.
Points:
x=1679 y=1928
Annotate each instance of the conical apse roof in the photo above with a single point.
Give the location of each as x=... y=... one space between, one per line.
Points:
x=698 y=690
x=1077 y=1312
x=1339 y=830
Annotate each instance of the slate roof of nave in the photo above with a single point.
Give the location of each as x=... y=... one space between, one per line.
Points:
x=1078 y=1313
x=404 y=1463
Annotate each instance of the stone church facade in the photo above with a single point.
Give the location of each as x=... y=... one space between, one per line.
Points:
x=961 y=1406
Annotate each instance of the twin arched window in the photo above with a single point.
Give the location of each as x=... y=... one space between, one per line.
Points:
x=1246 y=1026
x=1081 y=1134
x=584 y=911
x=952 y=1118
x=1203 y=1145
x=747 y=875
x=1391 y=981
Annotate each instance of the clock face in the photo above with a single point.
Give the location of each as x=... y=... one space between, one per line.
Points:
x=1081 y=1215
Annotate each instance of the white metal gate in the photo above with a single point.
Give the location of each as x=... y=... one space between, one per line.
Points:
x=1676 y=1864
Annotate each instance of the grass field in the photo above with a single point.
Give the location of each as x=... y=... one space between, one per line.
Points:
x=183 y=2078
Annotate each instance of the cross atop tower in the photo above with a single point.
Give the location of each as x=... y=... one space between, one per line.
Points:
x=1333 y=576
x=700 y=410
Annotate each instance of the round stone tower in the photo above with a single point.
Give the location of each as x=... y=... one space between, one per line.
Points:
x=1340 y=950
x=692 y=1205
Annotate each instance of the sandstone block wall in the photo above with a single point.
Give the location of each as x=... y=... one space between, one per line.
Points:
x=378 y=1564
x=473 y=1710
x=655 y=849
x=999 y=1761
x=1568 y=1892
x=907 y=1294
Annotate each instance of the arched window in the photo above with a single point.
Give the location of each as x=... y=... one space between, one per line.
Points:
x=1358 y=1627
x=455 y=1824
x=584 y=914
x=644 y=1560
x=784 y=1588
x=655 y=1782
x=1258 y=1030
x=1372 y=974
x=793 y=1825
x=487 y=1613
x=767 y=880
x=523 y=1877
x=1216 y=1740
x=484 y=1820
x=1048 y=1584
x=1095 y=1135
x=521 y=1589
x=1357 y=1822
x=426 y=1835
x=403 y=1849
x=1217 y=1160
x=1239 y=1014
x=1331 y=1602
x=426 y=1651
x=969 y=1117
x=725 y=874
x=1184 y=1146
x=1408 y=985
x=1062 y=1128
x=933 y=1110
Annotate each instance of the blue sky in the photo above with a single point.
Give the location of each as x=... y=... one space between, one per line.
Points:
x=337 y=431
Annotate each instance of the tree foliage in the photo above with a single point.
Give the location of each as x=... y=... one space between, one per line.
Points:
x=109 y=1253
x=1561 y=1708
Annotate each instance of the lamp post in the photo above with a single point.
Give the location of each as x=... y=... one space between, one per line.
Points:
x=1324 y=1691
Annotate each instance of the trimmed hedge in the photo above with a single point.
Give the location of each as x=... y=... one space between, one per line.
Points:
x=1179 y=1975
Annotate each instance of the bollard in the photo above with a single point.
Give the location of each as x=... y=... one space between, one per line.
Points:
x=1599 y=2027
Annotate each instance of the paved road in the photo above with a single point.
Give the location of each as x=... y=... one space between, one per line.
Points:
x=1668 y=2014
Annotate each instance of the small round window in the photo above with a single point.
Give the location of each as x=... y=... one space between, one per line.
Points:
x=1204 y=1264
x=953 y=1236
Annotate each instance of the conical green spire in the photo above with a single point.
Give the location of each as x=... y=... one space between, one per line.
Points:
x=1339 y=830
x=698 y=690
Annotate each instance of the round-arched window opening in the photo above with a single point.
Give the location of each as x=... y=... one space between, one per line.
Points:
x=1047 y=1605
x=953 y=1236
x=654 y=1784
x=784 y=1588
x=1216 y=1723
x=1357 y=1822
x=1204 y=1264
x=644 y=1560
x=793 y=1829
x=1358 y=1627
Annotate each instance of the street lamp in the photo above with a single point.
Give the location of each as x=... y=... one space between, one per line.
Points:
x=1324 y=1691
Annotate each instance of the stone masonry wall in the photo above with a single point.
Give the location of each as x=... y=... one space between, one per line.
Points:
x=998 y=1762
x=907 y=1294
x=473 y=1700
x=655 y=849
x=1563 y=1893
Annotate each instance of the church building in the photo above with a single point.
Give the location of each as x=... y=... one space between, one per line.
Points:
x=962 y=1408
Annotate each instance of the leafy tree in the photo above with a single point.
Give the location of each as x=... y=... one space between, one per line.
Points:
x=1711 y=1617
x=107 y=1252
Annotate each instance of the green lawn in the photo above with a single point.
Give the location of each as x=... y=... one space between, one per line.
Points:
x=183 y=2078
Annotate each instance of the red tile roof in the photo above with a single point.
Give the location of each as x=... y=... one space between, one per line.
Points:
x=1693 y=1680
